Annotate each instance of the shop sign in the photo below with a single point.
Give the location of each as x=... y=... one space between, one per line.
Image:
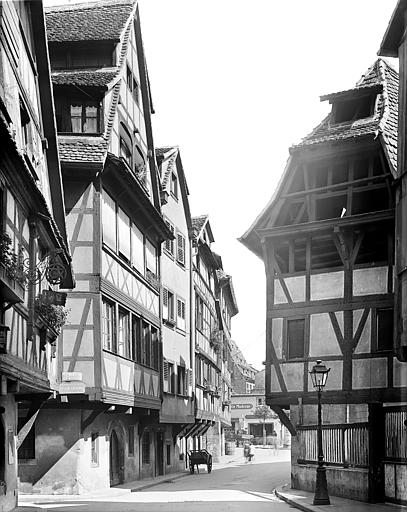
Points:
x=242 y=406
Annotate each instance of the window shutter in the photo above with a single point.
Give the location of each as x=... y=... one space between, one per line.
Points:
x=190 y=377
x=181 y=314
x=165 y=376
x=180 y=249
x=165 y=304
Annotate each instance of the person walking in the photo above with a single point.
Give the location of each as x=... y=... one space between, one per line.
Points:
x=246 y=452
x=251 y=452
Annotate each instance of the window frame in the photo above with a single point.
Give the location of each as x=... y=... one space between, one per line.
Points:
x=146 y=448
x=174 y=186
x=169 y=245
x=169 y=313
x=113 y=346
x=286 y=344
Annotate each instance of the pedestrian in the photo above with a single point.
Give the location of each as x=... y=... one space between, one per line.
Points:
x=246 y=452
x=251 y=452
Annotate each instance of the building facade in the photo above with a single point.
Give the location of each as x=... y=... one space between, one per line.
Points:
x=213 y=305
x=177 y=411
x=327 y=239
x=243 y=374
x=103 y=427
x=34 y=258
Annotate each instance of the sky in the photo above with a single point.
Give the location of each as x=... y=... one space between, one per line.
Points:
x=234 y=85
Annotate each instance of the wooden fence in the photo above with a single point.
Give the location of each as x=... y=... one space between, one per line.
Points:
x=344 y=445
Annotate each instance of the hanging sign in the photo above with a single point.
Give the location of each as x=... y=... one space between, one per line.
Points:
x=51 y=297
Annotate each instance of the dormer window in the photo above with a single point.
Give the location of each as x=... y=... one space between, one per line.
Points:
x=349 y=110
x=78 y=115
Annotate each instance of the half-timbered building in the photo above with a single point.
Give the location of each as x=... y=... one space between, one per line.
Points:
x=103 y=427
x=177 y=413
x=211 y=331
x=327 y=239
x=34 y=259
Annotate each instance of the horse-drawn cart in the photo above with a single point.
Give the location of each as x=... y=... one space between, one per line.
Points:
x=197 y=457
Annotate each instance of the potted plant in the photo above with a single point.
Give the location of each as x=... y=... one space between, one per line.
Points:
x=12 y=263
x=53 y=316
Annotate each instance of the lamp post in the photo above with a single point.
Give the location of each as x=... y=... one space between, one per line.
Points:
x=319 y=376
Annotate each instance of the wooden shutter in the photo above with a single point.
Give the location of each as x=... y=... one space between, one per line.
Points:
x=180 y=249
x=181 y=314
x=165 y=304
x=165 y=376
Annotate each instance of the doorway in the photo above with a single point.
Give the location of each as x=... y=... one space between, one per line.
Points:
x=160 y=453
x=116 y=459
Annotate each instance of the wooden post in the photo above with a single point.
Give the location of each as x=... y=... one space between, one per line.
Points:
x=376 y=452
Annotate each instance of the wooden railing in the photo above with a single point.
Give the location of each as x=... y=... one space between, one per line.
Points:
x=343 y=444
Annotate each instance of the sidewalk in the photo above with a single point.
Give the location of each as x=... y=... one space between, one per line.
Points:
x=135 y=486
x=303 y=501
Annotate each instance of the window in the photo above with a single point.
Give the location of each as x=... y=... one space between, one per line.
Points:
x=168 y=454
x=147 y=343
x=355 y=108
x=145 y=457
x=151 y=257
x=181 y=249
x=199 y=304
x=108 y=325
x=125 y=152
x=137 y=343
x=94 y=457
x=137 y=248
x=295 y=338
x=124 y=232
x=85 y=116
x=181 y=381
x=171 y=378
x=109 y=220
x=130 y=432
x=123 y=341
x=384 y=329
x=174 y=185
x=168 y=306
x=169 y=244
x=181 y=314
x=129 y=78
x=136 y=91
x=155 y=354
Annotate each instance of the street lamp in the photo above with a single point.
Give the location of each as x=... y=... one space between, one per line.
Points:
x=319 y=376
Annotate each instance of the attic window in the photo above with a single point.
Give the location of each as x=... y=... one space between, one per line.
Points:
x=352 y=109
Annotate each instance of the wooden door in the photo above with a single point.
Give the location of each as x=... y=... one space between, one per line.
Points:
x=395 y=454
x=116 y=459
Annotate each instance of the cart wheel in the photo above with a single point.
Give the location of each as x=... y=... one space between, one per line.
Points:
x=210 y=466
x=191 y=468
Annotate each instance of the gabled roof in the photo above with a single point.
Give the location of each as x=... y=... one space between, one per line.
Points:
x=225 y=281
x=382 y=125
x=166 y=158
x=103 y=20
x=199 y=223
x=383 y=122
x=85 y=78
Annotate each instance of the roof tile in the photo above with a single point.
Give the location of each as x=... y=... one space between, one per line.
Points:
x=96 y=21
x=83 y=78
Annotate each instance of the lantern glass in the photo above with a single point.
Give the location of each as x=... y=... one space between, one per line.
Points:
x=319 y=375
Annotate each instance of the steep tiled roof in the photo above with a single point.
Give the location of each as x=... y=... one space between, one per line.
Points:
x=198 y=223
x=96 y=21
x=166 y=158
x=83 y=78
x=82 y=149
x=383 y=122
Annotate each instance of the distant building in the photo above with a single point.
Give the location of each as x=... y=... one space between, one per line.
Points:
x=243 y=374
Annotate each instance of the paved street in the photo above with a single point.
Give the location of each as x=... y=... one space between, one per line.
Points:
x=230 y=487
